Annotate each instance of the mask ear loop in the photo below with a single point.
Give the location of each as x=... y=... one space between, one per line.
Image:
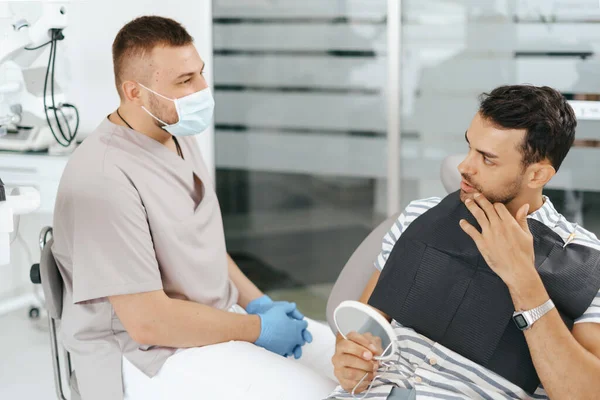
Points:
x=158 y=94
x=386 y=364
x=164 y=97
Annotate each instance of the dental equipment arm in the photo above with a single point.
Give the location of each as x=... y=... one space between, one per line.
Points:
x=34 y=115
x=25 y=36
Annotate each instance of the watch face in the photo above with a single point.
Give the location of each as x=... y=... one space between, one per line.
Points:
x=520 y=321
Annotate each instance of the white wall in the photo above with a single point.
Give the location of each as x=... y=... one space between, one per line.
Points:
x=93 y=25
x=84 y=68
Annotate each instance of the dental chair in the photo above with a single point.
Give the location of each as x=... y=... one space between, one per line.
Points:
x=47 y=274
x=359 y=268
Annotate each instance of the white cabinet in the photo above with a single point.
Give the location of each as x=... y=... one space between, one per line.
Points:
x=42 y=172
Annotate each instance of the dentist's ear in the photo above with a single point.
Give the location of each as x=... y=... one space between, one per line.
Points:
x=132 y=92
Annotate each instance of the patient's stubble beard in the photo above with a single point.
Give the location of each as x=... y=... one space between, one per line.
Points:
x=503 y=196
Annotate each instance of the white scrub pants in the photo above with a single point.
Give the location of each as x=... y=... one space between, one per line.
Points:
x=239 y=370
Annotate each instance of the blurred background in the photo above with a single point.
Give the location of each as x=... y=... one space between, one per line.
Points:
x=301 y=128
x=330 y=116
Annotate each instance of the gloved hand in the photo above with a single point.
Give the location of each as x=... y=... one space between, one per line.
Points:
x=264 y=303
x=280 y=333
x=298 y=349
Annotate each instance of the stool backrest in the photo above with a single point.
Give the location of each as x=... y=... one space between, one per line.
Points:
x=52 y=282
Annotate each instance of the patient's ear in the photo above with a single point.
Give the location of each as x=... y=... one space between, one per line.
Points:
x=539 y=174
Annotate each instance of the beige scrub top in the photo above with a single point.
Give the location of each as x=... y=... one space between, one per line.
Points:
x=131 y=216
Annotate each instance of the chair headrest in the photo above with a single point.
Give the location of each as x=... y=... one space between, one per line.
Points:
x=449 y=172
x=52 y=282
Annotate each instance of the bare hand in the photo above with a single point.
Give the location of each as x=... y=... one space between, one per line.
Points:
x=353 y=359
x=505 y=242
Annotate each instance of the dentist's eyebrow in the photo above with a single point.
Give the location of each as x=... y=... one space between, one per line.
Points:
x=189 y=74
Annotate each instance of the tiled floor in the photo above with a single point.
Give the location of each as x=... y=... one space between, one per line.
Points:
x=25 y=359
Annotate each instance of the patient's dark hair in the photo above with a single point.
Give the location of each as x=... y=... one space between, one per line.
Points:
x=139 y=37
x=542 y=111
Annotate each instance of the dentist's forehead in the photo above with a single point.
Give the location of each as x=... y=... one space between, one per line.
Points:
x=170 y=62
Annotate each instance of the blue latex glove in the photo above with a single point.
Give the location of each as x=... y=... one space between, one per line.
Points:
x=278 y=332
x=264 y=303
x=298 y=349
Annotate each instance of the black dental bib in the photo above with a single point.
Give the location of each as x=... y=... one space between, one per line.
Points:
x=436 y=282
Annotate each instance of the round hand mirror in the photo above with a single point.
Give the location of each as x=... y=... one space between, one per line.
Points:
x=353 y=316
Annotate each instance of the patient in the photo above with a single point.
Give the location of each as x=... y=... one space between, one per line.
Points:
x=450 y=291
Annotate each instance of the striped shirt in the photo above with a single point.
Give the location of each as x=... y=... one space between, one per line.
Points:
x=437 y=372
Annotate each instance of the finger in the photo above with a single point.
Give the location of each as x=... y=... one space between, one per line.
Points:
x=355 y=363
x=356 y=375
x=354 y=349
x=376 y=341
x=472 y=232
x=522 y=217
x=478 y=213
x=372 y=338
x=297 y=352
x=308 y=337
x=363 y=341
x=487 y=207
x=301 y=324
x=288 y=308
x=503 y=212
x=296 y=314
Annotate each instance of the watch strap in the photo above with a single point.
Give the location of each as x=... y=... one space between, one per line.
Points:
x=540 y=311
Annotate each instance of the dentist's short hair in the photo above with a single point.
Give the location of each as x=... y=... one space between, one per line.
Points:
x=140 y=36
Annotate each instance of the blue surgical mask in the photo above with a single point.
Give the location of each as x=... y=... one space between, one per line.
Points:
x=195 y=112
